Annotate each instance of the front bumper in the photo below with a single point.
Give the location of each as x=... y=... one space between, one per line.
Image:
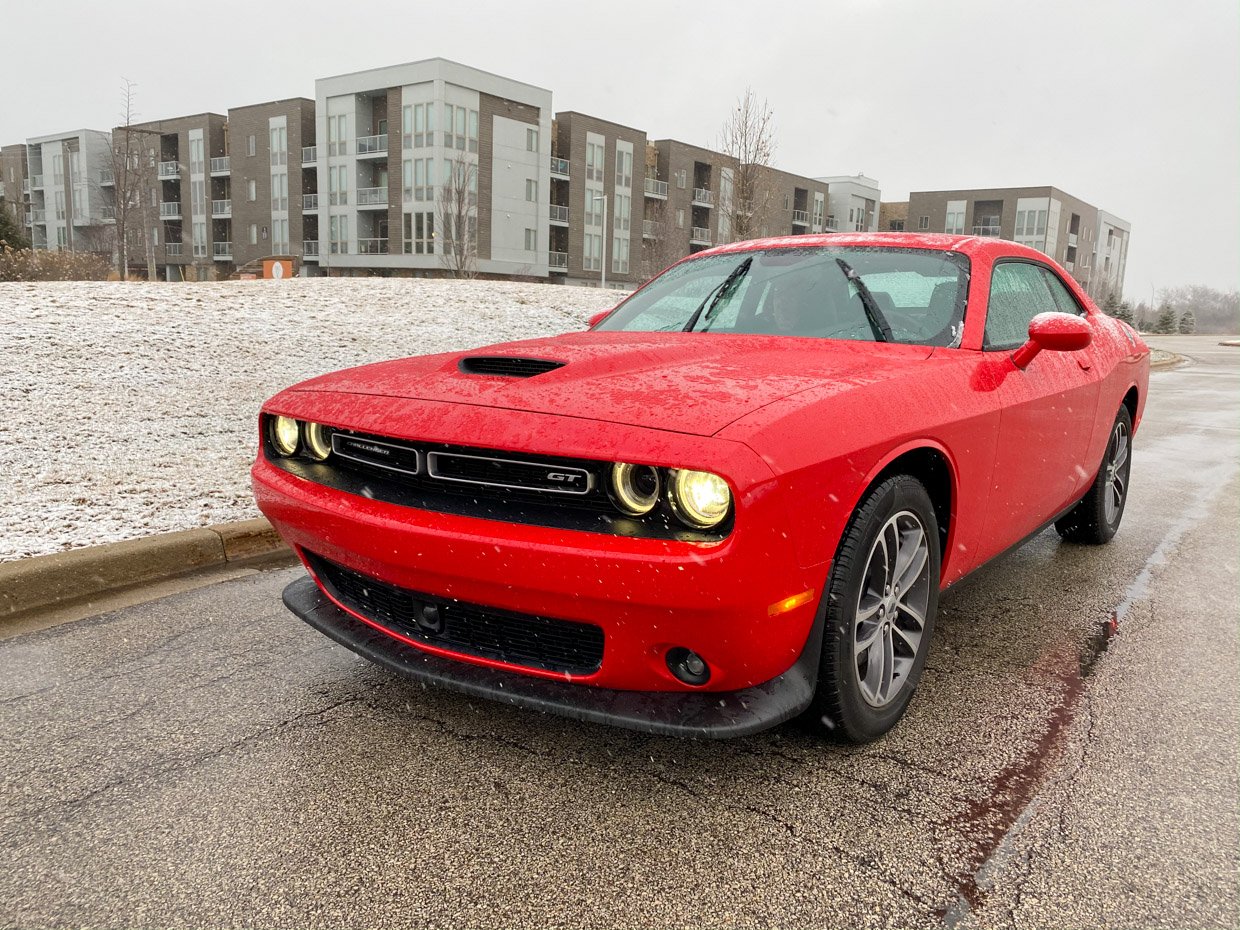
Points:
x=697 y=714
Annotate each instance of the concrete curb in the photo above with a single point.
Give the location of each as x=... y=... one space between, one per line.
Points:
x=47 y=581
x=1168 y=362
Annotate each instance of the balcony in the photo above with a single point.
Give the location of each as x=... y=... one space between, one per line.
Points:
x=372 y=146
x=310 y=249
x=557 y=261
x=26 y=186
x=372 y=197
x=830 y=223
x=800 y=217
x=107 y=178
x=107 y=213
x=656 y=189
x=220 y=165
x=169 y=171
x=987 y=229
x=309 y=202
x=221 y=251
x=559 y=215
x=372 y=247
x=309 y=155
x=651 y=229
x=38 y=217
x=221 y=208
x=170 y=211
x=559 y=168
x=36 y=181
x=699 y=236
x=172 y=249
x=703 y=198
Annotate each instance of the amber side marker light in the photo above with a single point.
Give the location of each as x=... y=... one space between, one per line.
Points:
x=790 y=603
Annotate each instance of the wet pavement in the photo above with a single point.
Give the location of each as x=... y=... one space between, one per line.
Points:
x=1070 y=760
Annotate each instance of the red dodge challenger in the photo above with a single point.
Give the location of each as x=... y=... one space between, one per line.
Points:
x=732 y=501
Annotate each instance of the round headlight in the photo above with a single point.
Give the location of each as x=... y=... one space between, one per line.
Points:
x=284 y=434
x=699 y=498
x=634 y=488
x=318 y=440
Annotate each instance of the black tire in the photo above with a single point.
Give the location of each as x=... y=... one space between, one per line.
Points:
x=1095 y=519
x=841 y=707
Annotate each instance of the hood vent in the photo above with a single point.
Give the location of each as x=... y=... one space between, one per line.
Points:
x=506 y=366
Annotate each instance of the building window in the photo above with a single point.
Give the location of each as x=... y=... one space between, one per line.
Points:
x=623 y=212
x=620 y=256
x=253 y=234
x=895 y=225
x=419 y=233
x=338 y=186
x=680 y=219
x=279 y=145
x=531 y=240
x=251 y=145
x=955 y=222
x=594 y=162
x=473 y=130
x=338 y=230
x=279 y=193
x=592 y=253
x=531 y=190
x=923 y=222
x=682 y=178
x=531 y=140
x=251 y=188
x=624 y=168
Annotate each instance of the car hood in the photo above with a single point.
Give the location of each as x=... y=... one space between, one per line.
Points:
x=693 y=383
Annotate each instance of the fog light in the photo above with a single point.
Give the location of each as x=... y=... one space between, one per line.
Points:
x=284 y=434
x=688 y=666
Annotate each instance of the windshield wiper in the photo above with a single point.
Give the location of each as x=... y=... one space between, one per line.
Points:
x=716 y=294
x=878 y=322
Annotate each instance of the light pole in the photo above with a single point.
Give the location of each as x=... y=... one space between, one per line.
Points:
x=603 y=268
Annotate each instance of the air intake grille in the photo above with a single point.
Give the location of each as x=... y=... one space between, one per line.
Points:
x=507 y=366
x=517 y=639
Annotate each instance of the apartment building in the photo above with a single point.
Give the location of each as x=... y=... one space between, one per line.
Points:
x=273 y=170
x=15 y=184
x=72 y=204
x=796 y=205
x=893 y=215
x=1110 y=256
x=432 y=163
x=854 y=202
x=597 y=208
x=1064 y=227
x=191 y=185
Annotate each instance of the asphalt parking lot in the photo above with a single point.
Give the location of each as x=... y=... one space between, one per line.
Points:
x=207 y=760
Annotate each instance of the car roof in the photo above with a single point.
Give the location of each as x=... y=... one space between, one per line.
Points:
x=976 y=246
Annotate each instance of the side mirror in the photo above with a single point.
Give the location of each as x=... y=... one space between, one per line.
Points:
x=596 y=319
x=1054 y=332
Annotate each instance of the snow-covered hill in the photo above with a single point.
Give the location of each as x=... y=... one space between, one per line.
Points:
x=129 y=409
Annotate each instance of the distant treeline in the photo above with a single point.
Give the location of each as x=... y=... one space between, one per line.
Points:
x=1212 y=311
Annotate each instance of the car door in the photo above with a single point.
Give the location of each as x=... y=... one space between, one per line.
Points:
x=1046 y=411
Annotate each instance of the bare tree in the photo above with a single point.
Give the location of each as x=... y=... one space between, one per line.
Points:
x=659 y=251
x=133 y=177
x=456 y=215
x=748 y=139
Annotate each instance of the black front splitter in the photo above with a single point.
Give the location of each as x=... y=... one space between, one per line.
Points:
x=697 y=714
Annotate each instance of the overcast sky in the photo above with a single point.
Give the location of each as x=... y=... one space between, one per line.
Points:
x=1131 y=106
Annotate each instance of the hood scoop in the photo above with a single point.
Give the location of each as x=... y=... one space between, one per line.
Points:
x=507 y=366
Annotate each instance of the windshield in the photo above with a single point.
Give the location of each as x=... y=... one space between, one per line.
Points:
x=915 y=295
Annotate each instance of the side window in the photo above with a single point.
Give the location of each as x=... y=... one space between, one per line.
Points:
x=1064 y=301
x=1018 y=293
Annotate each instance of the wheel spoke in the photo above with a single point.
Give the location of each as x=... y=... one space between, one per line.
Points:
x=1121 y=451
x=909 y=611
x=916 y=562
x=911 y=638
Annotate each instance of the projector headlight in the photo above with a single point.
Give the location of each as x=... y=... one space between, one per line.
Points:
x=318 y=440
x=634 y=488
x=700 y=499
x=284 y=435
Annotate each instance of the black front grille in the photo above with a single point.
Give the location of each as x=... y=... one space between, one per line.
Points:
x=507 y=366
x=519 y=639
